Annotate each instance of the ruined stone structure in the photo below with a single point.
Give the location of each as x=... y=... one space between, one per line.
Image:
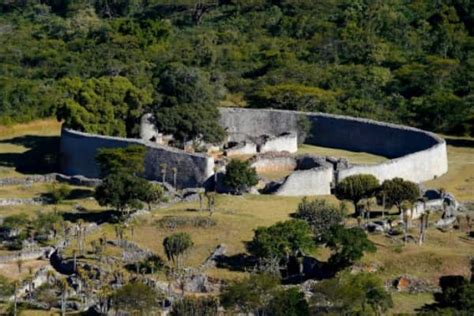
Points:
x=414 y=154
x=78 y=151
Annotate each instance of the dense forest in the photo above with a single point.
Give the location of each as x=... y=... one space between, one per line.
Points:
x=99 y=64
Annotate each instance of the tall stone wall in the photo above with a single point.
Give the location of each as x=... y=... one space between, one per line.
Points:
x=416 y=155
x=78 y=151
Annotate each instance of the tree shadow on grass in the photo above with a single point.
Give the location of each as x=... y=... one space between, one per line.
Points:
x=108 y=216
x=239 y=262
x=40 y=158
x=77 y=194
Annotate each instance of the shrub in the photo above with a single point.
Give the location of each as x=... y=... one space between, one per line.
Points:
x=202 y=306
x=58 y=192
x=319 y=214
x=240 y=176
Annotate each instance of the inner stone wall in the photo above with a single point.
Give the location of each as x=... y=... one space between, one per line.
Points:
x=78 y=151
x=421 y=155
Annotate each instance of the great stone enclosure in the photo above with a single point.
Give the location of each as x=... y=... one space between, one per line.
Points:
x=414 y=154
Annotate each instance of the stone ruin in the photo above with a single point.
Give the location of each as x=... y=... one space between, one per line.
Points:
x=286 y=142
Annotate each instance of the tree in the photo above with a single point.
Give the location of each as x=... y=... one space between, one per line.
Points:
x=240 y=176
x=397 y=191
x=250 y=295
x=205 y=306
x=282 y=241
x=176 y=246
x=134 y=297
x=124 y=192
x=187 y=107
x=129 y=160
x=456 y=293
x=106 y=105
x=320 y=214
x=357 y=187
x=289 y=302
x=155 y=194
x=361 y=293
x=7 y=288
x=347 y=244
x=58 y=192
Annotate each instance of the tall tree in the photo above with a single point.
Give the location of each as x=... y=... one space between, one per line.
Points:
x=357 y=187
x=187 y=105
x=176 y=246
x=397 y=191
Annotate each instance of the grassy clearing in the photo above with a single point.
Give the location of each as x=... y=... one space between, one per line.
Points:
x=28 y=148
x=351 y=156
x=460 y=177
x=405 y=303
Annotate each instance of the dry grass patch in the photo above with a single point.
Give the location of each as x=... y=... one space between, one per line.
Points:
x=460 y=177
x=351 y=156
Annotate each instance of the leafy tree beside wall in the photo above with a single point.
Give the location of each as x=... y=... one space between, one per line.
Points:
x=107 y=105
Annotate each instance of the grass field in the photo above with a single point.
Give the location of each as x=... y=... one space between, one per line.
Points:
x=238 y=216
x=460 y=177
x=28 y=148
x=351 y=156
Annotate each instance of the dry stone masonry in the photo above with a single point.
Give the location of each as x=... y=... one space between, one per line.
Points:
x=415 y=155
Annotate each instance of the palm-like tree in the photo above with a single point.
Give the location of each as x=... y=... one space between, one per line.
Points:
x=175 y=174
x=63 y=286
x=163 y=168
x=405 y=206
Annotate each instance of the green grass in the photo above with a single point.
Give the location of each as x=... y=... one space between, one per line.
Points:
x=405 y=303
x=238 y=216
x=460 y=177
x=353 y=157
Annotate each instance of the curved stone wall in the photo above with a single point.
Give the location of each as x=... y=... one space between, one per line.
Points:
x=78 y=151
x=416 y=155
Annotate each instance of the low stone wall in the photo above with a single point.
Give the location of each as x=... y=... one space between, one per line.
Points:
x=286 y=142
x=78 y=151
x=270 y=163
x=26 y=255
x=245 y=148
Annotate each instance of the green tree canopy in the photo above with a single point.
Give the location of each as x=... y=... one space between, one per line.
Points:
x=122 y=191
x=282 y=241
x=106 y=105
x=361 y=293
x=397 y=191
x=240 y=176
x=176 y=246
x=130 y=160
x=250 y=295
x=320 y=214
x=187 y=105
x=347 y=245
x=357 y=187
x=289 y=302
x=135 y=297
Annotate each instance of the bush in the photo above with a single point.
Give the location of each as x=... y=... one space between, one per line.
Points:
x=202 y=306
x=240 y=176
x=320 y=215
x=58 y=192
x=173 y=222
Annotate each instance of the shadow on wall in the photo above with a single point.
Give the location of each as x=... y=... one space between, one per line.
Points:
x=41 y=157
